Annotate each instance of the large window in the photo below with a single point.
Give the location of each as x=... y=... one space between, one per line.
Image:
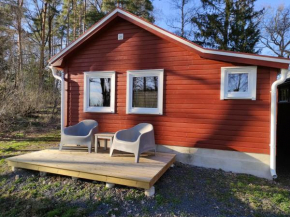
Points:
x=99 y=92
x=238 y=82
x=145 y=91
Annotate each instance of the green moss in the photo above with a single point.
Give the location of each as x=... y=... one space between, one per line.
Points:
x=11 y=189
x=159 y=199
x=56 y=184
x=18 y=181
x=55 y=212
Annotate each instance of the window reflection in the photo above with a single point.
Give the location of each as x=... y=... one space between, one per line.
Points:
x=100 y=92
x=238 y=82
x=284 y=94
x=145 y=92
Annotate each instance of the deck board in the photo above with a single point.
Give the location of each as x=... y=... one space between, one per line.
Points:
x=119 y=169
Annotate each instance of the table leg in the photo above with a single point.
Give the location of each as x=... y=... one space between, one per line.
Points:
x=96 y=144
x=105 y=144
x=111 y=142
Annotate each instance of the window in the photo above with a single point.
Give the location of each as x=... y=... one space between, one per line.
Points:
x=284 y=96
x=145 y=92
x=99 y=92
x=238 y=82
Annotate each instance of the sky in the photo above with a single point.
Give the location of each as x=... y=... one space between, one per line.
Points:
x=162 y=9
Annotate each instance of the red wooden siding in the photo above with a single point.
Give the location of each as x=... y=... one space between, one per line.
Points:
x=194 y=115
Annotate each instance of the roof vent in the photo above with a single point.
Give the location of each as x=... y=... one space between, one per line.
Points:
x=120 y=36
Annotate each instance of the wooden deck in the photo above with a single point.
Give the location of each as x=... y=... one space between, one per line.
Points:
x=119 y=169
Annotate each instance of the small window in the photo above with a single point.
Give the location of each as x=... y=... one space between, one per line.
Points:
x=238 y=82
x=145 y=92
x=99 y=92
x=284 y=96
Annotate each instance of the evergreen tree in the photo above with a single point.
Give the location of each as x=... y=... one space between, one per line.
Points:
x=141 y=8
x=245 y=32
x=94 y=12
x=228 y=25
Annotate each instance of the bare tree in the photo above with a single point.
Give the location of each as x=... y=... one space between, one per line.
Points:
x=276 y=31
x=181 y=22
x=19 y=16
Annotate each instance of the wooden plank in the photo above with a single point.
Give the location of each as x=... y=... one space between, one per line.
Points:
x=83 y=175
x=119 y=170
x=161 y=172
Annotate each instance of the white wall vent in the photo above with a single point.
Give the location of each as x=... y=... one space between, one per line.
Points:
x=120 y=36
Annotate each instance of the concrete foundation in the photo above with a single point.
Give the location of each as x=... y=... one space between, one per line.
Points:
x=74 y=178
x=150 y=192
x=42 y=174
x=14 y=169
x=230 y=161
x=110 y=185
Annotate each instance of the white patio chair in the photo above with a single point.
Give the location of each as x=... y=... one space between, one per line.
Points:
x=135 y=140
x=80 y=134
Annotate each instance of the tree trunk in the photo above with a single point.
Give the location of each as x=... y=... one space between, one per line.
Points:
x=42 y=46
x=226 y=25
x=85 y=13
x=182 y=18
x=19 y=42
x=68 y=24
x=74 y=5
x=49 y=31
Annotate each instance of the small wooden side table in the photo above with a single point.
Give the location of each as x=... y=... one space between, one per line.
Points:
x=104 y=136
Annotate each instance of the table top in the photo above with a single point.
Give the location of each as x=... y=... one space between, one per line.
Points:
x=105 y=134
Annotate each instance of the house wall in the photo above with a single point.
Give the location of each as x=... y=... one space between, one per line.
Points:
x=194 y=115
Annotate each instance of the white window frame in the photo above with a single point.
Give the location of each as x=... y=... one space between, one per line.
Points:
x=252 y=82
x=129 y=93
x=99 y=74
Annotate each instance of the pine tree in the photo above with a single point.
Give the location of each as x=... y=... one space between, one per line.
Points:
x=94 y=13
x=228 y=25
x=245 y=33
x=141 y=8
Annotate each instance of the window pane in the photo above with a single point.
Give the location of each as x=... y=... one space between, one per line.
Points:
x=145 y=92
x=284 y=94
x=100 y=92
x=238 y=82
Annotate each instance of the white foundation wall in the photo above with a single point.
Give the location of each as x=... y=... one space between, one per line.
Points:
x=230 y=161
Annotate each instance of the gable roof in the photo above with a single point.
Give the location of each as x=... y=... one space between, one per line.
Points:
x=228 y=56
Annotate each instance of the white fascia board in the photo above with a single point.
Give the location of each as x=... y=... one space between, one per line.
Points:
x=181 y=40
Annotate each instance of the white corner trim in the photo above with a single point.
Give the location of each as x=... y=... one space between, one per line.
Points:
x=252 y=82
x=99 y=74
x=171 y=35
x=129 y=91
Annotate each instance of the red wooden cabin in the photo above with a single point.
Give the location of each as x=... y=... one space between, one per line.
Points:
x=210 y=107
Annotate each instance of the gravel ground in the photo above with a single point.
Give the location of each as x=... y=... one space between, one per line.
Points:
x=182 y=191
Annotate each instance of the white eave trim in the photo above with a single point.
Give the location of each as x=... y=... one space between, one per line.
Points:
x=183 y=41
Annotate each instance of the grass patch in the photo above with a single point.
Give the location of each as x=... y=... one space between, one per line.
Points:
x=261 y=194
x=159 y=199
